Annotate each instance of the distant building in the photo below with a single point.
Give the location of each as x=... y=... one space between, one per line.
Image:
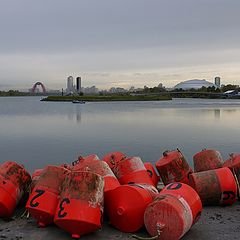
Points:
x=218 y=82
x=70 y=87
x=194 y=84
x=160 y=85
x=79 y=84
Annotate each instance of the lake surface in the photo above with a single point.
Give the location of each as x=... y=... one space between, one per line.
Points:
x=37 y=133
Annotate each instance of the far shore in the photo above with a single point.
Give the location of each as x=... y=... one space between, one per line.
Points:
x=106 y=98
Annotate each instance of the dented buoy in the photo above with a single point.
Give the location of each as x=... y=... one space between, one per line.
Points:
x=207 y=159
x=80 y=208
x=126 y=205
x=43 y=200
x=14 y=181
x=173 y=167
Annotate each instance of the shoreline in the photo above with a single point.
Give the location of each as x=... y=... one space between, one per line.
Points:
x=216 y=223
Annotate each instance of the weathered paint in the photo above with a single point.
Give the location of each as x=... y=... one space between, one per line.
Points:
x=207 y=159
x=44 y=198
x=215 y=187
x=168 y=217
x=132 y=170
x=173 y=167
x=80 y=208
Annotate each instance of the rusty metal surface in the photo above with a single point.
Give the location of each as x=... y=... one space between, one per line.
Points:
x=16 y=174
x=85 y=186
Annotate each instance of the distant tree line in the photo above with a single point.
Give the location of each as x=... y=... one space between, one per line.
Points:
x=13 y=93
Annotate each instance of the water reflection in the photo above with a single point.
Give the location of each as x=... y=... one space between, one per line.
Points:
x=36 y=133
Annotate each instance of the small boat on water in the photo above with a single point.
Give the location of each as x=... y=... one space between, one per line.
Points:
x=78 y=101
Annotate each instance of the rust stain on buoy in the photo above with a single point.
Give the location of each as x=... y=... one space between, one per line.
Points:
x=215 y=187
x=80 y=209
x=43 y=200
x=132 y=170
x=14 y=181
x=207 y=159
x=113 y=158
x=173 y=167
x=99 y=167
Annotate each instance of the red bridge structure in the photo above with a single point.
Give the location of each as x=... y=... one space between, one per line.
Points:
x=37 y=84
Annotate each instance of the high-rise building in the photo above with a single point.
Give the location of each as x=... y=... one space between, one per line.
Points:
x=70 y=87
x=79 y=84
x=218 y=82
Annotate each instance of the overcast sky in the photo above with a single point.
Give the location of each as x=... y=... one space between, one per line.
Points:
x=118 y=42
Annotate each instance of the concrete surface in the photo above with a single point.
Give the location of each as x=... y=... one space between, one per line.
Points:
x=216 y=223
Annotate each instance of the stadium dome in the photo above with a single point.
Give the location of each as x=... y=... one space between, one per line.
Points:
x=195 y=83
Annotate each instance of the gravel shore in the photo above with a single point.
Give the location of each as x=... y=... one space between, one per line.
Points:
x=216 y=223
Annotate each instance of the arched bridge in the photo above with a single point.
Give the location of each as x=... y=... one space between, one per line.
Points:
x=38 y=84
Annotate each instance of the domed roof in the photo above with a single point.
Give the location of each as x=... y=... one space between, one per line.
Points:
x=195 y=83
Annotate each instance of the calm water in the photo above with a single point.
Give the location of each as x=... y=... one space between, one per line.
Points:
x=39 y=133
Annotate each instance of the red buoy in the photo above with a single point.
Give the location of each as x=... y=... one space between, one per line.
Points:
x=173 y=167
x=132 y=170
x=113 y=158
x=43 y=200
x=14 y=181
x=186 y=192
x=207 y=159
x=215 y=187
x=234 y=164
x=168 y=217
x=152 y=173
x=126 y=205
x=99 y=167
x=80 y=209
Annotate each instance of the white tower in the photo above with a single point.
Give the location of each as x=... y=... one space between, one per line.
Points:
x=70 y=87
x=218 y=82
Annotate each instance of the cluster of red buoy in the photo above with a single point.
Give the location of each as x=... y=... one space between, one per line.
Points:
x=77 y=197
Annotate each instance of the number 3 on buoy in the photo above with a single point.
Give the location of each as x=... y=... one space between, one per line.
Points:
x=61 y=213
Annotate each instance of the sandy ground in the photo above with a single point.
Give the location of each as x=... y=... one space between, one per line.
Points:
x=216 y=223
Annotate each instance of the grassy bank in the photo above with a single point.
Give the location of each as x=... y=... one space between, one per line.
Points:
x=106 y=98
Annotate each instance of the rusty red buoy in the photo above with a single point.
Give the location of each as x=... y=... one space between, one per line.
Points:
x=43 y=200
x=182 y=190
x=126 y=205
x=93 y=164
x=113 y=158
x=152 y=173
x=173 y=167
x=215 y=187
x=168 y=217
x=207 y=159
x=132 y=170
x=233 y=163
x=80 y=209
x=14 y=181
